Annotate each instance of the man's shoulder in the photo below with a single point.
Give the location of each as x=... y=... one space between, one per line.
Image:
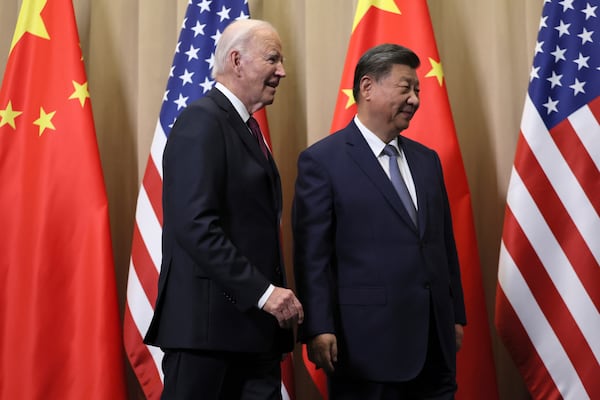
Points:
x=332 y=140
x=209 y=107
x=414 y=145
x=211 y=101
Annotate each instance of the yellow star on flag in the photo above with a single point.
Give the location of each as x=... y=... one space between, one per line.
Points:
x=81 y=92
x=436 y=70
x=8 y=115
x=364 y=5
x=45 y=120
x=350 y=95
x=30 y=20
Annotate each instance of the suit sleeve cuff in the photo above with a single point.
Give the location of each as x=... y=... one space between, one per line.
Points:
x=265 y=296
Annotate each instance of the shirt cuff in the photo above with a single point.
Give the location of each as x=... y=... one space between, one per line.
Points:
x=265 y=296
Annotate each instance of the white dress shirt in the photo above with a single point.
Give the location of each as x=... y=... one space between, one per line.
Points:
x=377 y=145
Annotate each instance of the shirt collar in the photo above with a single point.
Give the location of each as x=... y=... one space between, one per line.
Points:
x=237 y=103
x=375 y=143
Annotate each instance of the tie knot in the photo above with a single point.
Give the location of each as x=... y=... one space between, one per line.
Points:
x=390 y=151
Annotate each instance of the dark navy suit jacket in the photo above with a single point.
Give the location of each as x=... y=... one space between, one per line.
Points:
x=363 y=270
x=221 y=249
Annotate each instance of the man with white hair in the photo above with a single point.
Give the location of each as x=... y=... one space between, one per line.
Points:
x=223 y=316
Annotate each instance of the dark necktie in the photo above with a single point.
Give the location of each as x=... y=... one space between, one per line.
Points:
x=399 y=183
x=255 y=129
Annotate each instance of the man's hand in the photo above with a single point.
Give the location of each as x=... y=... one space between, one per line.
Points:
x=322 y=350
x=460 y=333
x=284 y=306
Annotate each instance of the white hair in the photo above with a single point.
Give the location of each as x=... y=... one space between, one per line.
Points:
x=236 y=37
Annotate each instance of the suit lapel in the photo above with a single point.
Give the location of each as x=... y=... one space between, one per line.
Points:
x=239 y=126
x=359 y=150
x=243 y=133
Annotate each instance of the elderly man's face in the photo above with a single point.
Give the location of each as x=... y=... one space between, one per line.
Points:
x=262 y=69
x=395 y=98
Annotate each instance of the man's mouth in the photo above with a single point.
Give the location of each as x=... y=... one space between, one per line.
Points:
x=407 y=113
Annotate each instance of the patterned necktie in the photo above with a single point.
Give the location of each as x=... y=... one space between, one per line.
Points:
x=255 y=129
x=399 y=183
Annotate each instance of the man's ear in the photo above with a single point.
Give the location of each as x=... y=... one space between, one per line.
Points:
x=235 y=59
x=366 y=87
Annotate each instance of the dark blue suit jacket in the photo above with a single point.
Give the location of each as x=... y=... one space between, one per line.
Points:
x=363 y=271
x=221 y=249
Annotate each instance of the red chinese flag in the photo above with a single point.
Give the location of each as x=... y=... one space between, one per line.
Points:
x=59 y=317
x=407 y=22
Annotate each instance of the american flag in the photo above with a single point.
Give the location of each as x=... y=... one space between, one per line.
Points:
x=548 y=296
x=189 y=79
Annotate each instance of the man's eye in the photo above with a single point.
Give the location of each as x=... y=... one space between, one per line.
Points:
x=407 y=88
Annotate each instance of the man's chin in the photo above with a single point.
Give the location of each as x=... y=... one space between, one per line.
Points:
x=402 y=125
x=267 y=100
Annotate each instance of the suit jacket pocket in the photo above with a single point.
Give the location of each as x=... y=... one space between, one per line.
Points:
x=362 y=295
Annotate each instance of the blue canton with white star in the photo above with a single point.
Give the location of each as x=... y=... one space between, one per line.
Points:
x=566 y=67
x=190 y=77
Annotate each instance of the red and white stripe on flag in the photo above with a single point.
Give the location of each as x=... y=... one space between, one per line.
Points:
x=144 y=267
x=548 y=296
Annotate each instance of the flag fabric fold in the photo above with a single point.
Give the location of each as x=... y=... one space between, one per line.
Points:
x=60 y=332
x=189 y=79
x=548 y=292
x=407 y=22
